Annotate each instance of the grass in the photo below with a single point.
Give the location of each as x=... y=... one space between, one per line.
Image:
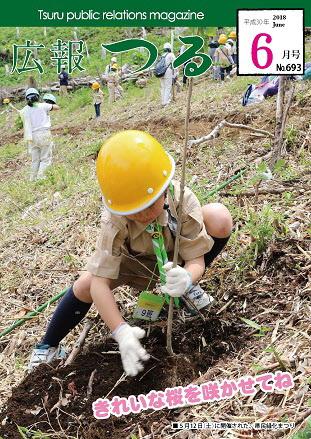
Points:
x=10 y=152
x=305 y=433
x=26 y=433
x=93 y=37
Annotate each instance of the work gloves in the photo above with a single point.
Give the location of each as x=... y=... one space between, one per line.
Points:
x=178 y=280
x=132 y=352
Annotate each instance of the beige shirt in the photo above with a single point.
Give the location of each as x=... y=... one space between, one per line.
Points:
x=222 y=56
x=125 y=242
x=98 y=96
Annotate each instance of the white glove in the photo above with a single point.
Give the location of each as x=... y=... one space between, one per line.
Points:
x=178 y=280
x=132 y=352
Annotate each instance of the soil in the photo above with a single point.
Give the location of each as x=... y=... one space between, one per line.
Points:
x=197 y=345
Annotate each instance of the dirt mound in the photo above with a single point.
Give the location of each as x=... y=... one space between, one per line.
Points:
x=197 y=346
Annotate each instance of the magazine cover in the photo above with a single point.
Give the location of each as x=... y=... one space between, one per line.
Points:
x=155 y=241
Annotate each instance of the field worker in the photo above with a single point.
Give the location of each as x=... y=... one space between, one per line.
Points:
x=213 y=44
x=37 y=132
x=135 y=175
x=223 y=59
x=98 y=97
x=48 y=98
x=232 y=37
x=229 y=46
x=166 y=81
x=63 y=82
x=113 y=83
x=109 y=66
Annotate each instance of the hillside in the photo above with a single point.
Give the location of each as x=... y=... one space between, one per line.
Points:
x=49 y=228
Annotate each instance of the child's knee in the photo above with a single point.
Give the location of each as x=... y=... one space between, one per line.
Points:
x=217 y=220
x=82 y=287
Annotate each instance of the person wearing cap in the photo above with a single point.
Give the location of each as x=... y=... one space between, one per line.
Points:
x=135 y=175
x=166 y=81
x=48 y=98
x=232 y=38
x=223 y=58
x=108 y=68
x=213 y=44
x=112 y=79
x=98 y=97
x=37 y=131
x=63 y=82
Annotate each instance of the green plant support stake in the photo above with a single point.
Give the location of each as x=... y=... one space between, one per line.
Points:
x=31 y=314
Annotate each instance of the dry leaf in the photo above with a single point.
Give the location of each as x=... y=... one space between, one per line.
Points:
x=22 y=312
x=34 y=411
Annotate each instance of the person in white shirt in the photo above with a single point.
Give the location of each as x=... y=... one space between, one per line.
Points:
x=230 y=46
x=37 y=132
x=166 y=81
x=113 y=78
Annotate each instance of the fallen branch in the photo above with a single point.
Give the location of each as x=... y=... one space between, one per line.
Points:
x=215 y=132
x=119 y=381
x=89 y=389
x=80 y=342
x=298 y=420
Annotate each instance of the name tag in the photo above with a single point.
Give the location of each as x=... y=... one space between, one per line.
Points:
x=148 y=306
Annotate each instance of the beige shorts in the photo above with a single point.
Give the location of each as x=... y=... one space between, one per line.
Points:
x=139 y=272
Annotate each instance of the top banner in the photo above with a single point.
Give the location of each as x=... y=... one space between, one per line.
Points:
x=188 y=13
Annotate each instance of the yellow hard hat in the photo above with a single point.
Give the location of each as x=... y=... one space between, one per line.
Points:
x=222 y=39
x=6 y=100
x=232 y=34
x=95 y=86
x=133 y=171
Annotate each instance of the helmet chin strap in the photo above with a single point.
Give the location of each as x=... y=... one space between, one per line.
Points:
x=165 y=205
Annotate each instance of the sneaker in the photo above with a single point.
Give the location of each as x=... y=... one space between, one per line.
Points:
x=44 y=353
x=199 y=298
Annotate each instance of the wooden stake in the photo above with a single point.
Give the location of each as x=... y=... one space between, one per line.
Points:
x=279 y=126
x=179 y=220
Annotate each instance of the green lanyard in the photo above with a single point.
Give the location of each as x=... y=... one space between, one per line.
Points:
x=155 y=231
x=157 y=238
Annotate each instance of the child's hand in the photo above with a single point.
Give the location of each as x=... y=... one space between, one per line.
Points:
x=178 y=280
x=132 y=352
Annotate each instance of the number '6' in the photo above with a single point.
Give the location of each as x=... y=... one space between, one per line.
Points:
x=256 y=49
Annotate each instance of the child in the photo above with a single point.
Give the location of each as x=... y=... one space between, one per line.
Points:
x=135 y=173
x=98 y=96
x=49 y=98
x=37 y=132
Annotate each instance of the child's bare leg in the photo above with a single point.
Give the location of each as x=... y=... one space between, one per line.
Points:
x=217 y=220
x=218 y=224
x=82 y=286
